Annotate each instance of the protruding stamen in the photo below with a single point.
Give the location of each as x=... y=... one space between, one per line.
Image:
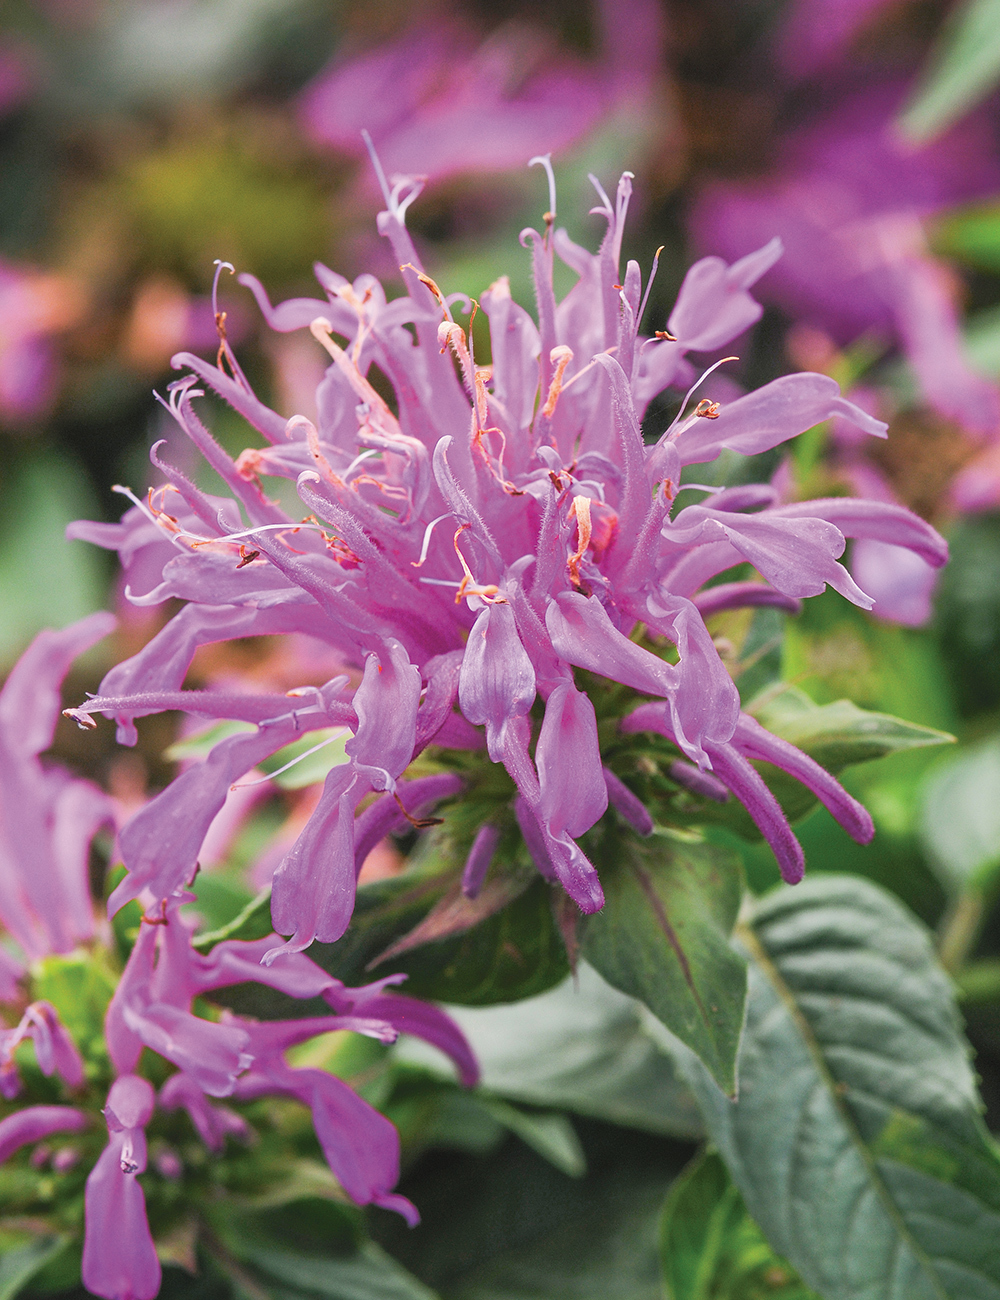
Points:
x=649 y=285
x=707 y=409
x=468 y=586
x=545 y=160
x=687 y=397
x=560 y=356
x=428 y=283
x=292 y=762
x=580 y=507
x=428 y=532
x=377 y=165
x=421 y=823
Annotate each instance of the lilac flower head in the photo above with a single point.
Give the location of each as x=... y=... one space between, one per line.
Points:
x=468 y=550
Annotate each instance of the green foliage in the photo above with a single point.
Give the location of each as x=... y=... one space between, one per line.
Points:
x=663 y=937
x=45 y=581
x=19 y=1266
x=968 y=613
x=960 y=822
x=712 y=1249
x=515 y=953
x=964 y=69
x=583 y=1047
x=509 y=1226
x=857 y=1142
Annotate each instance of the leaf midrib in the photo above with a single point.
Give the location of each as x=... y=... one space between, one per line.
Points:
x=761 y=957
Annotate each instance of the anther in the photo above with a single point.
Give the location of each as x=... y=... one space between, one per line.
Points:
x=420 y=823
x=708 y=410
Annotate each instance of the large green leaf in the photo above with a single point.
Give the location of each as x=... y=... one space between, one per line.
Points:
x=965 y=68
x=960 y=822
x=584 y=1047
x=508 y=1226
x=712 y=1249
x=18 y=1267
x=368 y=1274
x=857 y=1141
x=663 y=935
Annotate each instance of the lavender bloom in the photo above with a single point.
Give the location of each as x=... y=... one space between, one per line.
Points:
x=55 y=1050
x=508 y=525
x=33 y=307
x=846 y=196
x=37 y=1122
x=47 y=818
x=437 y=103
x=119 y=1258
x=152 y=1005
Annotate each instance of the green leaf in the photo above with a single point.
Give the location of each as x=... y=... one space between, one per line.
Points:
x=514 y=953
x=712 y=1249
x=839 y=734
x=964 y=68
x=857 y=1141
x=18 y=1267
x=584 y=1047
x=309 y=767
x=253 y=922
x=663 y=937
x=45 y=581
x=968 y=612
x=201 y=744
x=550 y=1134
x=972 y=233
x=960 y=821
x=369 y=1274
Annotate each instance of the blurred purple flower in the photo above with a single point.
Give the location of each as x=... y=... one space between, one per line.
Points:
x=437 y=101
x=47 y=817
x=846 y=195
x=508 y=525
x=33 y=307
x=817 y=34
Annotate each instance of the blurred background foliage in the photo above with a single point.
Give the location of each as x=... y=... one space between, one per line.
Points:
x=140 y=140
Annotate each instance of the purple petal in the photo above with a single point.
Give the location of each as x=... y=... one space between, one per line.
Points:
x=742 y=595
x=899 y=581
x=769 y=416
x=37 y=1122
x=161 y=843
x=627 y=804
x=497 y=682
x=755 y=742
x=480 y=855
x=119 y=1258
x=30 y=702
x=882 y=521
x=386 y=705
x=568 y=758
x=713 y=305
x=410 y=1016
x=212 y=1123
x=313 y=890
x=749 y=787
x=702 y=783
x=214 y=1055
